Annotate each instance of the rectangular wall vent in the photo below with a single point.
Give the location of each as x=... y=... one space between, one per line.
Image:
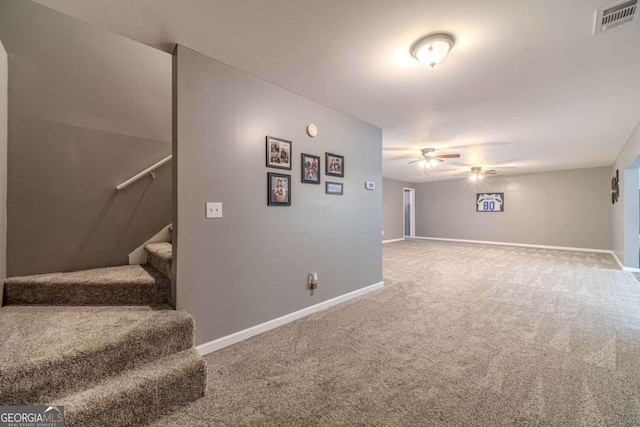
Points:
x=615 y=15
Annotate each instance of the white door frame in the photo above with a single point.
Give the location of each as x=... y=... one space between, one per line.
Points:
x=412 y=212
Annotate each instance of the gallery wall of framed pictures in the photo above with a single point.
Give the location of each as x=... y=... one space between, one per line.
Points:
x=279 y=155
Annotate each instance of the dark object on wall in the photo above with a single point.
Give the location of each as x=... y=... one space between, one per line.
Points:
x=279 y=153
x=335 y=165
x=279 y=189
x=334 y=188
x=615 y=187
x=490 y=202
x=310 y=169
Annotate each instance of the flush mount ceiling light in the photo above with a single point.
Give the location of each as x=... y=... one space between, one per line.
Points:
x=432 y=49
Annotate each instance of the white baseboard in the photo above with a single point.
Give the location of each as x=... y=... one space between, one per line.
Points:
x=223 y=342
x=620 y=264
x=393 y=240
x=524 y=245
x=622 y=267
x=139 y=255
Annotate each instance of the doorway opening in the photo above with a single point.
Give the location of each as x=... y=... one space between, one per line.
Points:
x=409 y=213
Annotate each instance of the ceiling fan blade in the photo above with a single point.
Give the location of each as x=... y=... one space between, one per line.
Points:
x=415 y=161
x=489 y=172
x=448 y=156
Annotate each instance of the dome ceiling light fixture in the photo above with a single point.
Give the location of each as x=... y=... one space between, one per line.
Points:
x=433 y=48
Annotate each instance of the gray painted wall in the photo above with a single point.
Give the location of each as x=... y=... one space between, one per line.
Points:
x=625 y=214
x=251 y=266
x=392 y=208
x=564 y=208
x=3 y=166
x=88 y=109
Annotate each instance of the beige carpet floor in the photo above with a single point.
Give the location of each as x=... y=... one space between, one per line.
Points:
x=461 y=335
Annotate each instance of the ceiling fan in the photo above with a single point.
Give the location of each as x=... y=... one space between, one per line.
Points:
x=430 y=158
x=477 y=173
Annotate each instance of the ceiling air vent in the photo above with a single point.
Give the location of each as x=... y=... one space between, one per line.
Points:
x=615 y=15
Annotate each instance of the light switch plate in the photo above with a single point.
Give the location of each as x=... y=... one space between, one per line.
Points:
x=214 y=210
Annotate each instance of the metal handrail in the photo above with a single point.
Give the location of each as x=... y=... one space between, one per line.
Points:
x=150 y=170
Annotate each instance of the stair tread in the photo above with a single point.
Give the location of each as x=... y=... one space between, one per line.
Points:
x=162 y=250
x=54 y=345
x=119 y=275
x=139 y=395
x=132 y=378
x=31 y=333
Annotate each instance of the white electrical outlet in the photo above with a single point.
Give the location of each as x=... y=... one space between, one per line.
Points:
x=214 y=210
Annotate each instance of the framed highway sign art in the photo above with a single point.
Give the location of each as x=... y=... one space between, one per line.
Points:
x=490 y=202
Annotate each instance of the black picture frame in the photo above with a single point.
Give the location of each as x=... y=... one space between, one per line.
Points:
x=334 y=188
x=274 y=196
x=331 y=160
x=279 y=153
x=496 y=198
x=310 y=168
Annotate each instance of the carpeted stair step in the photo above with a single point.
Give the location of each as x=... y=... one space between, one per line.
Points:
x=160 y=257
x=138 y=396
x=48 y=351
x=124 y=285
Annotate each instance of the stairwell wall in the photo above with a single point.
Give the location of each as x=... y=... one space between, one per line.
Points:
x=4 y=76
x=251 y=266
x=88 y=109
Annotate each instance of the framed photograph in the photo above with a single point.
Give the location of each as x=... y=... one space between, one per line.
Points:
x=279 y=189
x=490 y=202
x=310 y=169
x=334 y=164
x=334 y=188
x=278 y=153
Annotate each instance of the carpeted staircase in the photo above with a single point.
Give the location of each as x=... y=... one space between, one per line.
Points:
x=103 y=343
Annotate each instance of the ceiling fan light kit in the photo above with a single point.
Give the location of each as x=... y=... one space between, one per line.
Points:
x=477 y=173
x=430 y=159
x=433 y=48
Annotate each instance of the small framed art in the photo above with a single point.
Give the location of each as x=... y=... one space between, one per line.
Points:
x=278 y=153
x=310 y=169
x=279 y=189
x=334 y=165
x=490 y=202
x=334 y=188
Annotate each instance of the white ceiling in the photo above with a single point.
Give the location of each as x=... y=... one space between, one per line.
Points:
x=527 y=88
